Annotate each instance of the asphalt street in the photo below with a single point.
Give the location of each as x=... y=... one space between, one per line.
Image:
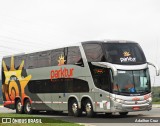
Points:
x=101 y=119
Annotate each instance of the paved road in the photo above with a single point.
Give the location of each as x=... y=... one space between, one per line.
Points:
x=101 y=119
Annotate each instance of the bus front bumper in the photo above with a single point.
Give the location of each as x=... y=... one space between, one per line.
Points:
x=119 y=107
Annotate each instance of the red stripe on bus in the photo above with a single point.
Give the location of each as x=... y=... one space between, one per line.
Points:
x=8 y=102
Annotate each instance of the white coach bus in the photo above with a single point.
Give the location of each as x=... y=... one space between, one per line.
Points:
x=92 y=77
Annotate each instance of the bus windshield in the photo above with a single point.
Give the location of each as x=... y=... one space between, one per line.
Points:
x=124 y=53
x=132 y=81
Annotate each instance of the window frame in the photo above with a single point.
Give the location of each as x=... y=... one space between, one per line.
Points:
x=102 y=57
x=77 y=54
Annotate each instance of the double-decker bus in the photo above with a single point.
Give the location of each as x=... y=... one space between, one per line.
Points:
x=91 y=77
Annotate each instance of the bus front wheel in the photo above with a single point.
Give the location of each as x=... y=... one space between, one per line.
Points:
x=27 y=107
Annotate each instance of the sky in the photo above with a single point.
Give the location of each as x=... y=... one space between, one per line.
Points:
x=34 y=25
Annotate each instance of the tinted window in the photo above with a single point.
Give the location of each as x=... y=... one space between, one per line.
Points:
x=7 y=62
x=76 y=85
x=18 y=60
x=58 y=86
x=46 y=86
x=124 y=53
x=55 y=55
x=101 y=77
x=44 y=59
x=93 y=52
x=32 y=60
x=74 y=56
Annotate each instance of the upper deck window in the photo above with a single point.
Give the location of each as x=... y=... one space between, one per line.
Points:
x=44 y=59
x=56 y=55
x=32 y=60
x=74 y=56
x=124 y=53
x=93 y=52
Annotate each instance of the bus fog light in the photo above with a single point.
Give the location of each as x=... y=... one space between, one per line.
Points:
x=149 y=99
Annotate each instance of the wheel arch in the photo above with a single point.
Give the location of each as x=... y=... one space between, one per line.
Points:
x=15 y=101
x=84 y=98
x=73 y=97
x=25 y=98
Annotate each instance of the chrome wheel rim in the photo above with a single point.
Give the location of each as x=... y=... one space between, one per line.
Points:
x=88 y=107
x=74 y=107
x=19 y=106
x=28 y=107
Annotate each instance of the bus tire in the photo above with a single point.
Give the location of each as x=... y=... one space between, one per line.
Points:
x=89 y=108
x=123 y=113
x=19 y=107
x=27 y=107
x=75 y=110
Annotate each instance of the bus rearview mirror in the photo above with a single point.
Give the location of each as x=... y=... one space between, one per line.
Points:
x=156 y=67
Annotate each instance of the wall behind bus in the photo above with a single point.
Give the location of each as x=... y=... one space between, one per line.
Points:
x=27 y=26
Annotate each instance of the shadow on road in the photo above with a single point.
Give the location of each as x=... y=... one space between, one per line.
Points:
x=114 y=115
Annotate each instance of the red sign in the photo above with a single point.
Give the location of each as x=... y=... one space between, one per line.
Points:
x=61 y=73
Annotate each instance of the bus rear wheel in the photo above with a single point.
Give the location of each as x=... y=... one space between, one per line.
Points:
x=75 y=110
x=19 y=107
x=27 y=107
x=89 y=108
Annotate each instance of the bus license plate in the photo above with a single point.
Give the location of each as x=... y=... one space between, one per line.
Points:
x=136 y=108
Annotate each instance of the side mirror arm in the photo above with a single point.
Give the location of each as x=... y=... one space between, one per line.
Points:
x=156 y=67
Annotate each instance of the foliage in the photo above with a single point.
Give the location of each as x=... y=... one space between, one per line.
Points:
x=156 y=94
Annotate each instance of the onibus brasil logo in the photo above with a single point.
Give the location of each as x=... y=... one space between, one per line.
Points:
x=127 y=57
x=62 y=72
x=14 y=83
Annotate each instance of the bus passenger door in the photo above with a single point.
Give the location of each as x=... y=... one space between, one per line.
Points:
x=102 y=81
x=102 y=101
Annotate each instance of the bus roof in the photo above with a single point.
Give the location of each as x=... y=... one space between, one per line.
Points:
x=74 y=44
x=108 y=41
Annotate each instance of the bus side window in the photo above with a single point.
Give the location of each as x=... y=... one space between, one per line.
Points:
x=18 y=60
x=7 y=62
x=55 y=55
x=44 y=59
x=76 y=85
x=93 y=52
x=74 y=56
x=32 y=60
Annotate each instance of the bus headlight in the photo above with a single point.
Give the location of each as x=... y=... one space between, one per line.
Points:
x=119 y=100
x=149 y=99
